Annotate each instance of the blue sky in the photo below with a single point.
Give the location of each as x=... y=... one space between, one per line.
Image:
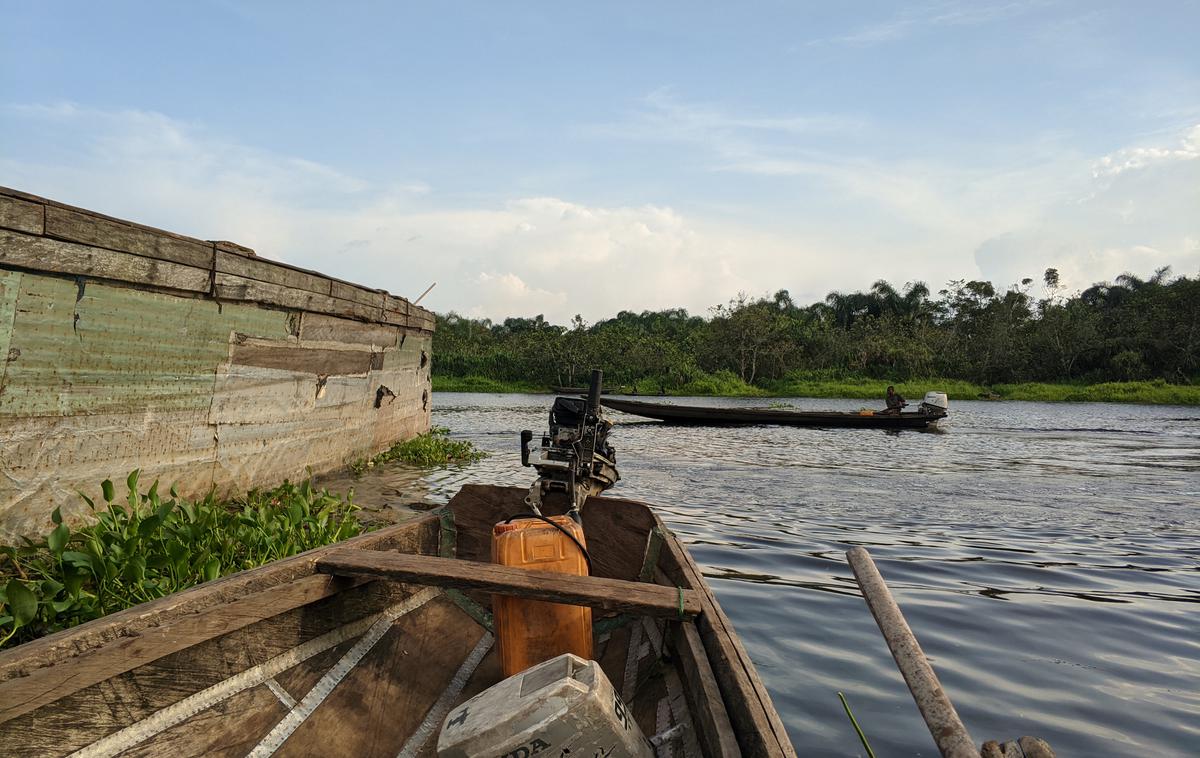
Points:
x=678 y=152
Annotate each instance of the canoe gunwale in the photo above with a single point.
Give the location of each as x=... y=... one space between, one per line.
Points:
x=30 y=676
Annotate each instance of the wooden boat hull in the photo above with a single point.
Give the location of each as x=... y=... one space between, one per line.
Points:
x=301 y=658
x=712 y=416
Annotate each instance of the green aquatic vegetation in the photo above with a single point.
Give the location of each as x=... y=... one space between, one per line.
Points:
x=434 y=448
x=824 y=384
x=1156 y=391
x=722 y=383
x=147 y=547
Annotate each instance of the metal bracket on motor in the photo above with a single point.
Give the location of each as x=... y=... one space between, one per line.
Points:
x=575 y=457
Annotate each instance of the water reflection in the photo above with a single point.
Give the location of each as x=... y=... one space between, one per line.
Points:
x=1047 y=555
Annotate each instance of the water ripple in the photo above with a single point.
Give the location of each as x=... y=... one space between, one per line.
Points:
x=1047 y=556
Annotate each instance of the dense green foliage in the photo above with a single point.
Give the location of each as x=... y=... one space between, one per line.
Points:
x=1132 y=330
x=147 y=547
x=434 y=448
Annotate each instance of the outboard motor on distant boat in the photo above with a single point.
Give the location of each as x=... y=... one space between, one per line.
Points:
x=935 y=404
x=575 y=457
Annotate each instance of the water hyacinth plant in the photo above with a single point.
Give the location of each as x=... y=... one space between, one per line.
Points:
x=434 y=448
x=147 y=547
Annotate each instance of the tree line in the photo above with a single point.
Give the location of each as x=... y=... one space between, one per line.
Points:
x=1128 y=329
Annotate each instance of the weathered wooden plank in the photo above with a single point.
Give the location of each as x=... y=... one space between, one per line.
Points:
x=272 y=452
x=302 y=358
x=299 y=679
x=10 y=192
x=408 y=355
x=45 y=461
x=317 y=327
x=248 y=395
x=361 y=295
x=42 y=254
x=229 y=729
x=231 y=287
x=271 y=272
x=234 y=287
x=613 y=654
x=45 y=685
x=352 y=309
x=759 y=729
x=232 y=247
x=396 y=304
x=10 y=287
x=608 y=594
x=22 y=215
x=713 y=727
x=111 y=706
x=421 y=319
x=18 y=664
x=76 y=226
x=395 y=318
x=91 y=348
x=383 y=699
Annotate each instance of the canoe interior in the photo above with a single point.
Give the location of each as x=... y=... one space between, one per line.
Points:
x=712 y=416
x=285 y=660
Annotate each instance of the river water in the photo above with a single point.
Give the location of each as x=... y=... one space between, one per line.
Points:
x=1046 y=555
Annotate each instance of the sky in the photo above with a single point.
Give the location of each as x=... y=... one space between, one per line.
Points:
x=588 y=158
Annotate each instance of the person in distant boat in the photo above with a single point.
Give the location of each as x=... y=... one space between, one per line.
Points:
x=894 y=402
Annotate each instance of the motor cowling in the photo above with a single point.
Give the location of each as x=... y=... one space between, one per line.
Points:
x=935 y=403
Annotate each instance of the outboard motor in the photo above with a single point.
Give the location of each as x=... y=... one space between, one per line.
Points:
x=935 y=404
x=575 y=457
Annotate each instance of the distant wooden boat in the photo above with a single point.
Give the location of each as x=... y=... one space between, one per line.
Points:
x=713 y=416
x=577 y=391
x=363 y=648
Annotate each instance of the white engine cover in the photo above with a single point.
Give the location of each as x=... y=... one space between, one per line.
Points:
x=563 y=706
x=937 y=400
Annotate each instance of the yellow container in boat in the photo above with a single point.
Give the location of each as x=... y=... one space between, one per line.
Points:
x=531 y=631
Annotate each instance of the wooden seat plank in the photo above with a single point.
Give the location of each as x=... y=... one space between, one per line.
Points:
x=615 y=595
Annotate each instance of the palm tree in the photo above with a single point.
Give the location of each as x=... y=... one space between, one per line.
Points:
x=916 y=302
x=886 y=299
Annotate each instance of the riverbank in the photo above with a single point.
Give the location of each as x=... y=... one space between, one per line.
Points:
x=145 y=546
x=1156 y=392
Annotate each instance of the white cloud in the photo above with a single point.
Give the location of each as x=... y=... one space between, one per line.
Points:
x=1140 y=157
x=902 y=220
x=1021 y=208
x=947 y=13
x=1140 y=211
x=522 y=257
x=663 y=117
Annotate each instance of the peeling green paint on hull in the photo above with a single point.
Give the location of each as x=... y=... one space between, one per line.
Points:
x=88 y=348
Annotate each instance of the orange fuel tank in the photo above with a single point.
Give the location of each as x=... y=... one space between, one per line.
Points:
x=531 y=631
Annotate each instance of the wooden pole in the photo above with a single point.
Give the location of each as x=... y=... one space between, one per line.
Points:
x=947 y=728
x=423 y=294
